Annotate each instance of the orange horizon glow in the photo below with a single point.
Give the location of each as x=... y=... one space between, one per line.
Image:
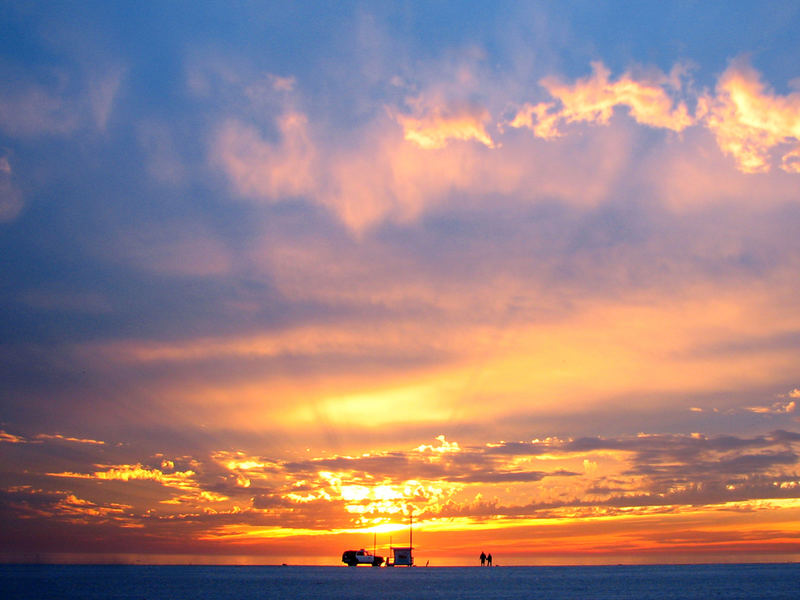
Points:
x=566 y=522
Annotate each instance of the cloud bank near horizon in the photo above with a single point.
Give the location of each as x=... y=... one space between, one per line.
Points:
x=232 y=495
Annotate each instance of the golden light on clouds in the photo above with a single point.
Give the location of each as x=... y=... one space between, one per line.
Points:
x=439 y=126
x=749 y=120
x=578 y=496
x=594 y=98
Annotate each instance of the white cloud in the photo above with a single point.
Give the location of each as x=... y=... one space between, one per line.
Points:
x=103 y=90
x=29 y=110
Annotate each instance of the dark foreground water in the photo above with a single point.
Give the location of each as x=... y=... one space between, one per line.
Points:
x=65 y=582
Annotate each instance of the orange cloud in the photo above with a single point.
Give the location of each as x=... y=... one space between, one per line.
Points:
x=397 y=168
x=390 y=177
x=594 y=98
x=444 y=447
x=10 y=438
x=15 y=439
x=178 y=479
x=749 y=120
x=72 y=506
x=59 y=437
x=775 y=408
x=382 y=173
x=436 y=126
x=383 y=177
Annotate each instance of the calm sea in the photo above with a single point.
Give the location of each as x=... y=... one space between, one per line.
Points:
x=65 y=582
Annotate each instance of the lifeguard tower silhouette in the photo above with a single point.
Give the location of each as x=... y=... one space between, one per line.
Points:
x=402 y=556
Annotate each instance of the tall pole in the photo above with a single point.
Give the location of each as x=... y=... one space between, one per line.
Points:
x=411 y=535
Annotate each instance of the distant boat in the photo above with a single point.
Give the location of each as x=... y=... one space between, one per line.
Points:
x=353 y=558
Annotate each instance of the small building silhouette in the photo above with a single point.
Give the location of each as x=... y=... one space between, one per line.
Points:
x=401 y=557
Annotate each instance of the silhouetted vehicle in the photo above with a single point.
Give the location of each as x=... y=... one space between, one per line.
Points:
x=353 y=558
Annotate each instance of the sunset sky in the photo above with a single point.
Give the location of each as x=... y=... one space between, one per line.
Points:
x=274 y=275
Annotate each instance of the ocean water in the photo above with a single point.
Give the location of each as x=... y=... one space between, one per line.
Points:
x=66 y=582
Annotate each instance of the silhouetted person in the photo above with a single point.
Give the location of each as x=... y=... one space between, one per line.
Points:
x=489 y=559
x=483 y=558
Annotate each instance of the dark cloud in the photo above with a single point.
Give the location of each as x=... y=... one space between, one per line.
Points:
x=508 y=476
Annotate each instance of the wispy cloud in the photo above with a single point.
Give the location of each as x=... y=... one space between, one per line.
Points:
x=261 y=169
x=56 y=101
x=31 y=109
x=103 y=90
x=47 y=437
x=62 y=438
x=11 y=201
x=177 y=479
x=10 y=438
x=776 y=407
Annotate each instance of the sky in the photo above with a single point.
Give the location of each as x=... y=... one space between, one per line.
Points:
x=276 y=278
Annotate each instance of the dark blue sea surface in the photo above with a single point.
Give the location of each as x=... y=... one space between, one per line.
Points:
x=65 y=582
